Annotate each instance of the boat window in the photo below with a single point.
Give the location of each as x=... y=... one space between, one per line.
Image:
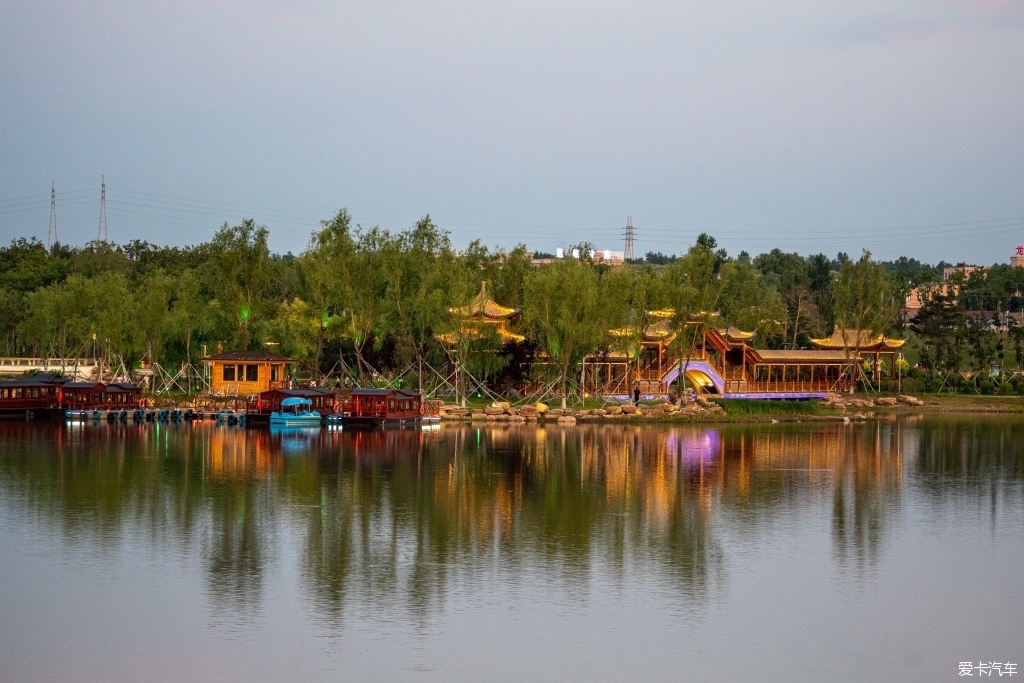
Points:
x=275 y=373
x=252 y=373
x=229 y=373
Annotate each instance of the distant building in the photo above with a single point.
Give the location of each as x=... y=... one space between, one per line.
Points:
x=1017 y=260
x=958 y=268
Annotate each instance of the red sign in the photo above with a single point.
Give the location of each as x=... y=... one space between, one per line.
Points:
x=1020 y=251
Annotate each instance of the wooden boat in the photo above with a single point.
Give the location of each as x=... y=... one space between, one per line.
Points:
x=383 y=408
x=38 y=396
x=295 y=412
x=260 y=407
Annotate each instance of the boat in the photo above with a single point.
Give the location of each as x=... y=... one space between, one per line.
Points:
x=295 y=412
x=260 y=407
x=383 y=408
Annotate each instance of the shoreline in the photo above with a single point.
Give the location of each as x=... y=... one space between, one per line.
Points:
x=708 y=412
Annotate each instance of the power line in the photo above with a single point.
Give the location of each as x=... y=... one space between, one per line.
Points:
x=630 y=236
x=51 y=239
x=102 y=237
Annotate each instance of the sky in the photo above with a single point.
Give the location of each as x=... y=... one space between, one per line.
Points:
x=819 y=126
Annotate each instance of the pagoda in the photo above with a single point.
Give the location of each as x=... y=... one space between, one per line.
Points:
x=483 y=310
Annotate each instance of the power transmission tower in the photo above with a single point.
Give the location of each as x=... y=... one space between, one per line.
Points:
x=52 y=238
x=630 y=239
x=102 y=237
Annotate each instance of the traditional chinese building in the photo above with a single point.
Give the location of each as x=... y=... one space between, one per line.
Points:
x=480 y=312
x=724 y=362
x=246 y=373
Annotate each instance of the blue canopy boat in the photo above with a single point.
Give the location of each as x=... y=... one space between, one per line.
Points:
x=295 y=412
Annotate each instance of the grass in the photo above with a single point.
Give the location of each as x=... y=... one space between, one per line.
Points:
x=751 y=408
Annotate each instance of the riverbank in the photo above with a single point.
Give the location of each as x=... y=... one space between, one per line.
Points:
x=833 y=409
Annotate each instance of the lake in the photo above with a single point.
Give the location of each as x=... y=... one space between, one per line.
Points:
x=878 y=551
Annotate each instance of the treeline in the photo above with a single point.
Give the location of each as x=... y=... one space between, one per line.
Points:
x=379 y=300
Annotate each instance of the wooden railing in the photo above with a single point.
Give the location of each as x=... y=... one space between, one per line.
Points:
x=781 y=386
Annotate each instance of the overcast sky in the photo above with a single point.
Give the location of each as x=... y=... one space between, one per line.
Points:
x=811 y=126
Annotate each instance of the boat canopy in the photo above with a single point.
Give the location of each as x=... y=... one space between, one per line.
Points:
x=295 y=401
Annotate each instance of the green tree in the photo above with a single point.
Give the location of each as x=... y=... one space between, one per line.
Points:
x=239 y=266
x=694 y=285
x=865 y=304
x=153 y=311
x=187 y=309
x=564 y=313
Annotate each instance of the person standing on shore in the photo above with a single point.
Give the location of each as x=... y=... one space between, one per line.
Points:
x=636 y=395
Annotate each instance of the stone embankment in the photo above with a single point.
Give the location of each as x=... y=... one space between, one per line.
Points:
x=540 y=412
x=841 y=403
x=698 y=409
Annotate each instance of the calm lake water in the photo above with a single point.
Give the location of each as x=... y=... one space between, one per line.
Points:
x=881 y=551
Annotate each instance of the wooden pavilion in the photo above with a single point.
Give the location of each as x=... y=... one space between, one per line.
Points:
x=863 y=344
x=723 y=361
x=480 y=312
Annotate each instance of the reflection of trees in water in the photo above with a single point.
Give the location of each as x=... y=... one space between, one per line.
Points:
x=967 y=456
x=402 y=519
x=92 y=485
x=866 y=491
x=235 y=547
x=399 y=520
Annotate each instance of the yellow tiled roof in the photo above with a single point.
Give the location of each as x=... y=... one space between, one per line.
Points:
x=857 y=339
x=485 y=307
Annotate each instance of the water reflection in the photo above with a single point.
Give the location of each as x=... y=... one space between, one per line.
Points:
x=394 y=521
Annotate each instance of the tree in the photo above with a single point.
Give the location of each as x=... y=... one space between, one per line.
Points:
x=694 y=286
x=750 y=302
x=563 y=311
x=238 y=272
x=187 y=309
x=864 y=303
x=631 y=295
x=416 y=265
x=152 y=306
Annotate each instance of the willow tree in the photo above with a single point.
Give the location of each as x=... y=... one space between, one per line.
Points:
x=694 y=285
x=751 y=302
x=239 y=267
x=416 y=264
x=632 y=294
x=564 y=313
x=152 y=311
x=863 y=301
x=348 y=276
x=187 y=308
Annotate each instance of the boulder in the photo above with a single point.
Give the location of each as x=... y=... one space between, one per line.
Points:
x=477 y=415
x=597 y=412
x=491 y=410
x=911 y=401
x=529 y=411
x=541 y=408
x=503 y=405
x=630 y=409
x=554 y=412
x=885 y=401
x=516 y=418
x=566 y=420
x=614 y=410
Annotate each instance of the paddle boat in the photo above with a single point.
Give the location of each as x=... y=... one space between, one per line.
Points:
x=295 y=412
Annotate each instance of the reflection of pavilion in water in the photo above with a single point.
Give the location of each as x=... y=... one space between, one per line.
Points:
x=403 y=516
